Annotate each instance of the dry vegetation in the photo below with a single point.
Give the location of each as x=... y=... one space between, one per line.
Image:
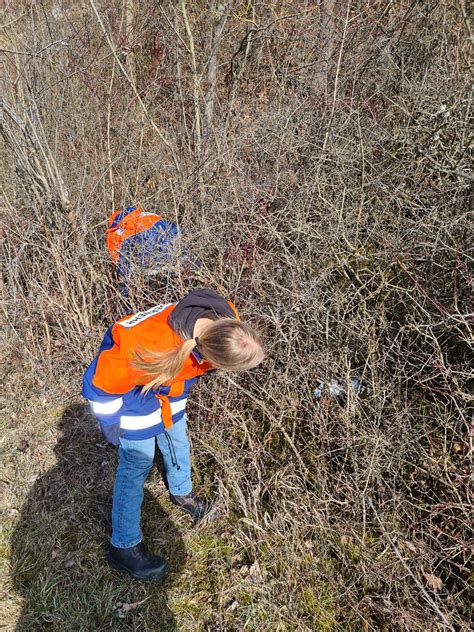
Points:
x=316 y=155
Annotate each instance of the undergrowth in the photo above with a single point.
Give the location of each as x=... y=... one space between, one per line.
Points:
x=315 y=156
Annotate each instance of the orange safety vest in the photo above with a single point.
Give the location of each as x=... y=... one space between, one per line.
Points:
x=149 y=330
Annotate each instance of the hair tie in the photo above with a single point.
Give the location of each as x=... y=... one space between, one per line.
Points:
x=196 y=341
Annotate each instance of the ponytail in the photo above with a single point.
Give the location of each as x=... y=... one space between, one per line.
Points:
x=226 y=343
x=160 y=367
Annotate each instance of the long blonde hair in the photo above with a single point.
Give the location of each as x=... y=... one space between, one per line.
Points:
x=226 y=343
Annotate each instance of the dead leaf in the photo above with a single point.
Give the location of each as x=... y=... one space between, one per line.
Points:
x=433 y=581
x=23 y=446
x=411 y=546
x=346 y=539
x=256 y=573
x=122 y=608
x=68 y=562
x=151 y=184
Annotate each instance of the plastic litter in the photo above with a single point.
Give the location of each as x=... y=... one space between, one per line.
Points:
x=318 y=391
x=337 y=388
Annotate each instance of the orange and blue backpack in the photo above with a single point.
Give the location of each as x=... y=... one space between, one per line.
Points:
x=137 y=240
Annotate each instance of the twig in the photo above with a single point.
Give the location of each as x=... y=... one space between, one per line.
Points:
x=36 y=53
x=336 y=78
x=210 y=96
x=465 y=16
x=109 y=151
x=196 y=83
x=270 y=416
x=132 y=85
x=409 y=571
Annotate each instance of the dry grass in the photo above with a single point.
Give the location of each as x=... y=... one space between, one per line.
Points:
x=316 y=156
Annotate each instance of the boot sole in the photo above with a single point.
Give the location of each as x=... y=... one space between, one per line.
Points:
x=156 y=578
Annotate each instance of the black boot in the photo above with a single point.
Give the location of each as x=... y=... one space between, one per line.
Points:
x=191 y=504
x=138 y=562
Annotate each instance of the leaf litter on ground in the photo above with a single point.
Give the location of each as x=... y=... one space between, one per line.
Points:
x=121 y=609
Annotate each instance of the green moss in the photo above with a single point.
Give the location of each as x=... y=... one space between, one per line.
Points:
x=320 y=607
x=186 y=606
x=266 y=552
x=244 y=597
x=352 y=553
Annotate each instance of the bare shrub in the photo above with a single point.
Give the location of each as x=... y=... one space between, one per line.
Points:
x=316 y=157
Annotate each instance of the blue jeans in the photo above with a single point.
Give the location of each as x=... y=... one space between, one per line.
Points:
x=135 y=462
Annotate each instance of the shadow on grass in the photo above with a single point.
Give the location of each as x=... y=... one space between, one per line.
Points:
x=59 y=544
